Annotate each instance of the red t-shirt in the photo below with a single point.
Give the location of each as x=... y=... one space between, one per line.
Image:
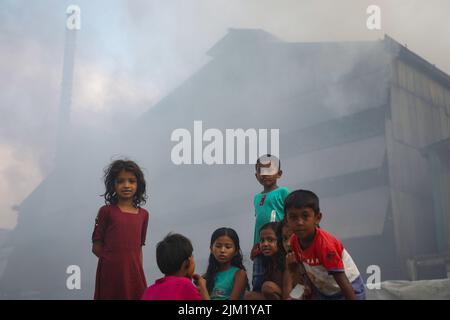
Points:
x=324 y=256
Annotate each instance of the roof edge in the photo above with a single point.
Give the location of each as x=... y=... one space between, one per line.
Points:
x=403 y=53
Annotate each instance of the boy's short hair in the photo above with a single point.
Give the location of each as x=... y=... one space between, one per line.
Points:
x=266 y=158
x=171 y=252
x=302 y=199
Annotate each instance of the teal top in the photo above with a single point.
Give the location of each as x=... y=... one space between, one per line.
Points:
x=269 y=207
x=223 y=284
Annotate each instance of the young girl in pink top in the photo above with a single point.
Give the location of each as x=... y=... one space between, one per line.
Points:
x=175 y=260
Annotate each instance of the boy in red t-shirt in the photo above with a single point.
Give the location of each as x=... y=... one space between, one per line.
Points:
x=328 y=265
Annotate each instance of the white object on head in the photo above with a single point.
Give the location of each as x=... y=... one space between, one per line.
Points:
x=270 y=165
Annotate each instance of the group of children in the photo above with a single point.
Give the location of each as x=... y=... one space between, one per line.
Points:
x=293 y=258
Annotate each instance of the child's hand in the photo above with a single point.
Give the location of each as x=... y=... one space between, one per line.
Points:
x=291 y=262
x=200 y=282
x=97 y=248
x=256 y=250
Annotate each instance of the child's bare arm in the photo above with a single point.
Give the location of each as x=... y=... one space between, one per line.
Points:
x=345 y=285
x=291 y=263
x=290 y=275
x=240 y=283
x=254 y=295
x=255 y=251
x=200 y=282
x=97 y=248
x=287 y=284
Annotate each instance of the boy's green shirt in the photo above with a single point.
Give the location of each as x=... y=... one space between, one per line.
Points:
x=265 y=204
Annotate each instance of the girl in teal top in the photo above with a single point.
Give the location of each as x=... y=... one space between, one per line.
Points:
x=226 y=277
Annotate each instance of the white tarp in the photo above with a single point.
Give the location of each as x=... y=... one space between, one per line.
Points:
x=438 y=289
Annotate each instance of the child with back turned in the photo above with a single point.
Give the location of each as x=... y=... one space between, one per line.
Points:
x=119 y=233
x=329 y=267
x=269 y=206
x=174 y=258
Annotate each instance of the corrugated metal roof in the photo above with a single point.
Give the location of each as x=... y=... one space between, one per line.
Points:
x=418 y=62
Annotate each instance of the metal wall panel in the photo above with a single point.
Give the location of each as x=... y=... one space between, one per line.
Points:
x=419 y=118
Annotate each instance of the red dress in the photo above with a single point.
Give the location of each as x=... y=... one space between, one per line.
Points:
x=120 y=274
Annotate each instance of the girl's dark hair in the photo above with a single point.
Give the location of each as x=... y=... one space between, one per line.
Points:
x=110 y=176
x=279 y=234
x=277 y=261
x=213 y=265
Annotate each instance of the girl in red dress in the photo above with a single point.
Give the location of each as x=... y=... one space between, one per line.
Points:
x=119 y=234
